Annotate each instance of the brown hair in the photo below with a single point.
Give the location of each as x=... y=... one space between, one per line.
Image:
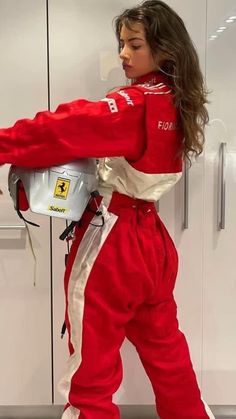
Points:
x=165 y=32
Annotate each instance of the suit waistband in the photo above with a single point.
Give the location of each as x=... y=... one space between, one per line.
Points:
x=122 y=200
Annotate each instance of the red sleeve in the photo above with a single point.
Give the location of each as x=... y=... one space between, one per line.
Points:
x=113 y=126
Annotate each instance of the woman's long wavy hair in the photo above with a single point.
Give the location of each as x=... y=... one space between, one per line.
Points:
x=165 y=32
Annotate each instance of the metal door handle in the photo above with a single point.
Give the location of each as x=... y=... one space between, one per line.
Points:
x=12 y=227
x=186 y=196
x=222 y=186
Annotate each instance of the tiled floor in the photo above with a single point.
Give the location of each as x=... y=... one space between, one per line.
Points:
x=122 y=417
x=127 y=412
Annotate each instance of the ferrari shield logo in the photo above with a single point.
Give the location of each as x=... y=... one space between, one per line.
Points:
x=62 y=188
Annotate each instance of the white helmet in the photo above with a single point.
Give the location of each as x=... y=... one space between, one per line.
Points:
x=61 y=191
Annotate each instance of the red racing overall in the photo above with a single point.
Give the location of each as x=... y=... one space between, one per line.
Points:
x=119 y=278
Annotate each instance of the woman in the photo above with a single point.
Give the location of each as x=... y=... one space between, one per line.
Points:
x=120 y=277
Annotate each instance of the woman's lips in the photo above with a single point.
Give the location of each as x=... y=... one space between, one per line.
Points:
x=126 y=66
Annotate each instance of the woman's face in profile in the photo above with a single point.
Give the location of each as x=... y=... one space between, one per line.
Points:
x=135 y=52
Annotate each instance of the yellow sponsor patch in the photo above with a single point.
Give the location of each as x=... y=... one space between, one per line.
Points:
x=57 y=209
x=62 y=188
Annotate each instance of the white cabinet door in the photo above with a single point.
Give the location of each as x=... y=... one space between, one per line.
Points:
x=219 y=331
x=25 y=330
x=87 y=66
x=189 y=241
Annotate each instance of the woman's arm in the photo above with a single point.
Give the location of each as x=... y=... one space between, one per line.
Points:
x=114 y=126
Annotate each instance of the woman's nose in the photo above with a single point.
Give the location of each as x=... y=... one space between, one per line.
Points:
x=124 y=53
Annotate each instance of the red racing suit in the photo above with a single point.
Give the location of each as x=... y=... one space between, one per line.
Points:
x=119 y=278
